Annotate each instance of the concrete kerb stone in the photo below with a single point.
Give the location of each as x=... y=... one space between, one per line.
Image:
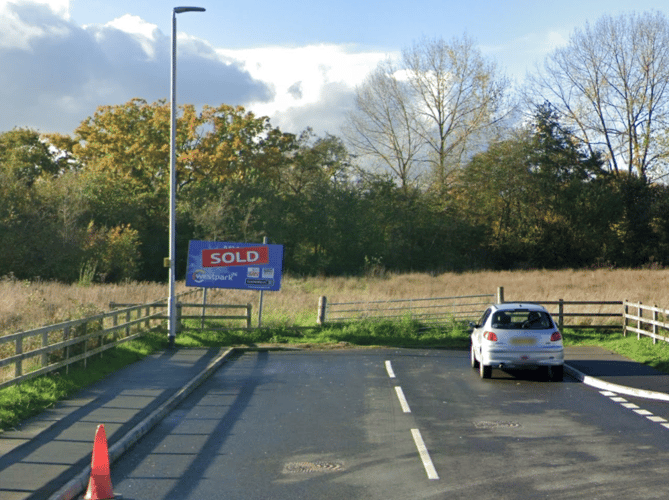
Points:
x=79 y=484
x=608 y=386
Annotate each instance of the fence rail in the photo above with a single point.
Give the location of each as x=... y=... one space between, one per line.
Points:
x=28 y=354
x=651 y=326
x=428 y=310
x=560 y=313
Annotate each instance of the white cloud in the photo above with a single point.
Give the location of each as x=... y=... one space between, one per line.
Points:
x=310 y=83
x=56 y=73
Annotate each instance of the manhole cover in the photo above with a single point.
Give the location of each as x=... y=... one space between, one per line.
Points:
x=494 y=424
x=308 y=467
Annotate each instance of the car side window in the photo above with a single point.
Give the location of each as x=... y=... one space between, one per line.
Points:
x=484 y=318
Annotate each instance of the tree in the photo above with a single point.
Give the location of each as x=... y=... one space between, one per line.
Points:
x=27 y=156
x=132 y=140
x=610 y=85
x=429 y=109
x=384 y=126
x=543 y=199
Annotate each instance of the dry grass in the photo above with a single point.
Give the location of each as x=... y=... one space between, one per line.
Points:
x=25 y=305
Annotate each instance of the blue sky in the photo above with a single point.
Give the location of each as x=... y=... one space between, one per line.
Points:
x=295 y=61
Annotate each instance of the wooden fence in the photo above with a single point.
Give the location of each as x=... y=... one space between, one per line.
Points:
x=653 y=324
x=28 y=354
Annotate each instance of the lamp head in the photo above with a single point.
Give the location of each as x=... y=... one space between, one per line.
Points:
x=179 y=10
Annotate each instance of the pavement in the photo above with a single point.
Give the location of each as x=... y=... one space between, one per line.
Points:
x=48 y=457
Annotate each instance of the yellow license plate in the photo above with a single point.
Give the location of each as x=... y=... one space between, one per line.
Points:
x=523 y=341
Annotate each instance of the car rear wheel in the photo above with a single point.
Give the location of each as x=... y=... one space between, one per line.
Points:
x=472 y=356
x=485 y=371
x=556 y=373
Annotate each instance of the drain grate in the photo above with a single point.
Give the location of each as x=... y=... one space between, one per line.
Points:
x=494 y=424
x=309 y=467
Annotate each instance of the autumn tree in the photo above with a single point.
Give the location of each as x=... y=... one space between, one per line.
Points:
x=132 y=141
x=26 y=156
x=610 y=84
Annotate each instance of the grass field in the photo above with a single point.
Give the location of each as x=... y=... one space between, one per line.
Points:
x=25 y=305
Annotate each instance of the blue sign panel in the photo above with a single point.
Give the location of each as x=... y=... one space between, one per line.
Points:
x=247 y=266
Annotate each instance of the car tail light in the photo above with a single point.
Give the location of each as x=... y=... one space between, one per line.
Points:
x=556 y=336
x=491 y=336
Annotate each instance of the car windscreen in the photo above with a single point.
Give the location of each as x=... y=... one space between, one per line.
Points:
x=521 y=318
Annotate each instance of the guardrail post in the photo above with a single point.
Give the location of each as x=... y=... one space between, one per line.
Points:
x=561 y=314
x=322 y=306
x=500 y=294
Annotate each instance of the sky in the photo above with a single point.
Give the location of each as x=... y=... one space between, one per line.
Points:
x=296 y=61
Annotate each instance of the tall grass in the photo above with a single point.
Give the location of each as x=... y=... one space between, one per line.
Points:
x=25 y=305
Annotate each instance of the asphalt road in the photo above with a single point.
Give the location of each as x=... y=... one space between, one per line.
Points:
x=396 y=424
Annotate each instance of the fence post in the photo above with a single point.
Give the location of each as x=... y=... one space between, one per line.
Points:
x=45 y=343
x=179 y=313
x=18 y=367
x=561 y=314
x=655 y=318
x=204 y=307
x=322 y=305
x=625 y=312
x=249 y=307
x=639 y=322
x=500 y=294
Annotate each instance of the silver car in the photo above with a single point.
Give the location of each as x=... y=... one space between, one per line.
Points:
x=514 y=335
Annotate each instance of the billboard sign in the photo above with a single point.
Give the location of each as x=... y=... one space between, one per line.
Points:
x=246 y=266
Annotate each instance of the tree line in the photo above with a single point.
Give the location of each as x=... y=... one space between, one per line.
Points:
x=439 y=168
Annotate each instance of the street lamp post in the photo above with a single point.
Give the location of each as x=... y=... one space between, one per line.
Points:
x=171 y=301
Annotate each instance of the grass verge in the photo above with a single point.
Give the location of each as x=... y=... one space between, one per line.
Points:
x=20 y=402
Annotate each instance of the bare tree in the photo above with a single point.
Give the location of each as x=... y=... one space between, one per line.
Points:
x=458 y=98
x=427 y=110
x=609 y=83
x=383 y=125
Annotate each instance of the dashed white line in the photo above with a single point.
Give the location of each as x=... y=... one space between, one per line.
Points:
x=403 y=400
x=389 y=369
x=635 y=408
x=424 y=455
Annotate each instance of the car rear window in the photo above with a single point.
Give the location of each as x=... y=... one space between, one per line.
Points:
x=521 y=318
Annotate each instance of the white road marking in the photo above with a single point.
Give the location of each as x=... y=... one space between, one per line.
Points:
x=655 y=418
x=607 y=393
x=635 y=408
x=424 y=455
x=618 y=399
x=389 y=369
x=643 y=412
x=630 y=405
x=403 y=400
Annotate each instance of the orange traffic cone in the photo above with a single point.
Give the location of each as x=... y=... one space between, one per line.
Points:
x=100 y=486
